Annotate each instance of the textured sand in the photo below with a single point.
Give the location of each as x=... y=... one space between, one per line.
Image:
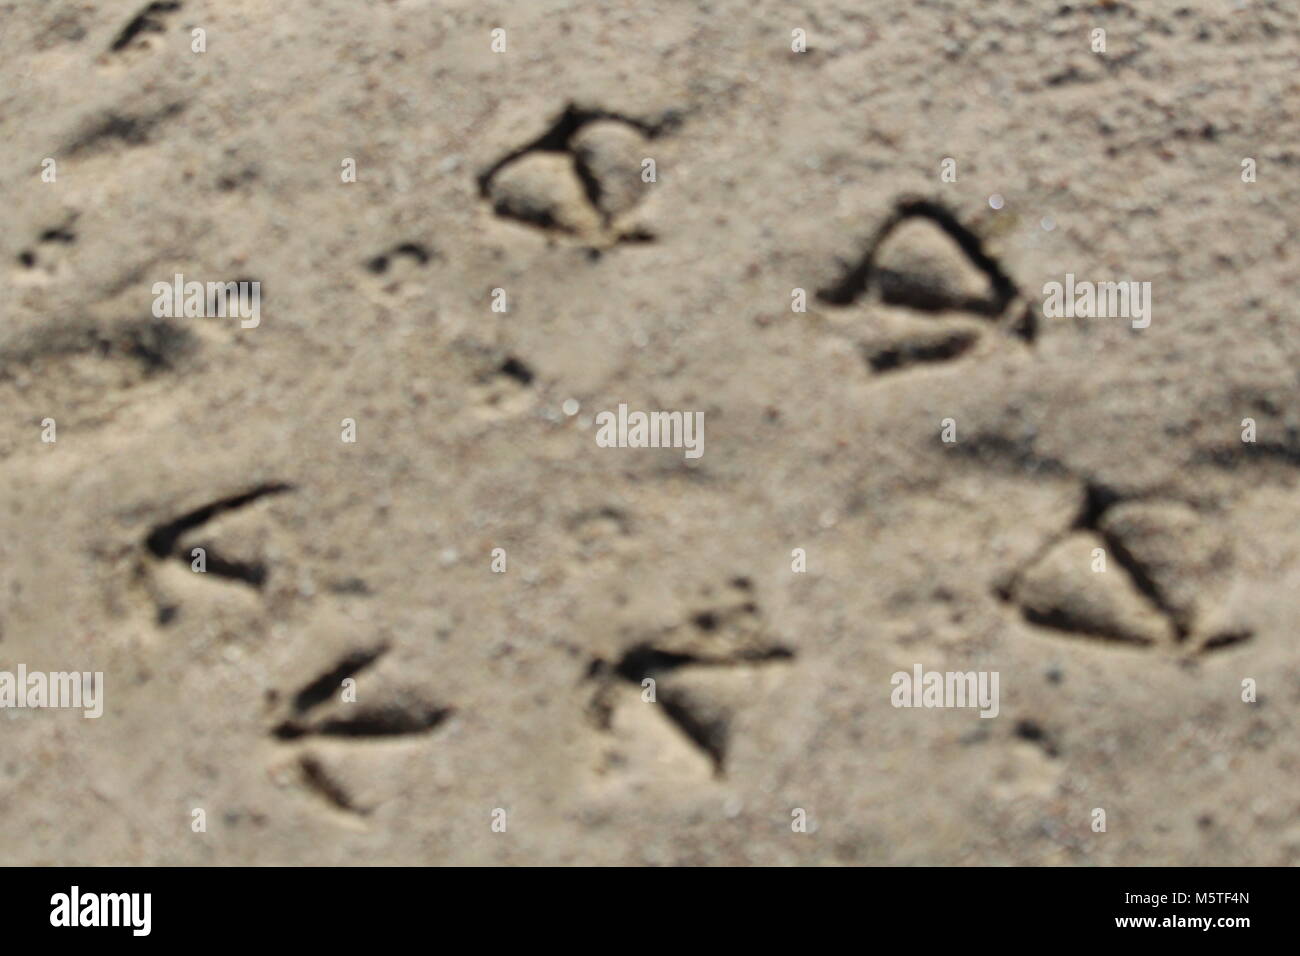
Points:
x=520 y=691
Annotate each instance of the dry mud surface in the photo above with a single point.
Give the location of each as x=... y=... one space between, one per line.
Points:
x=370 y=560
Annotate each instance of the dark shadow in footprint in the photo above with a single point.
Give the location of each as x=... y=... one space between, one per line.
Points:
x=161 y=541
x=394 y=718
x=687 y=661
x=149 y=20
x=942 y=348
x=128 y=129
x=146 y=346
x=579 y=177
x=895 y=287
x=417 y=252
x=923 y=259
x=1142 y=570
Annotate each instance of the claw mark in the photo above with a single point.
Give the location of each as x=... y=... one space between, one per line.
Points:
x=517 y=370
x=60 y=235
x=315 y=776
x=1033 y=732
x=382 y=720
x=942 y=349
x=148 y=20
x=161 y=541
x=415 y=251
x=323 y=687
x=502 y=385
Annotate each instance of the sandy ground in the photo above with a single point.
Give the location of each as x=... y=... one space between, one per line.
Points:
x=498 y=715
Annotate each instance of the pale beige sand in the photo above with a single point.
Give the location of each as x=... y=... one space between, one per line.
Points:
x=519 y=690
